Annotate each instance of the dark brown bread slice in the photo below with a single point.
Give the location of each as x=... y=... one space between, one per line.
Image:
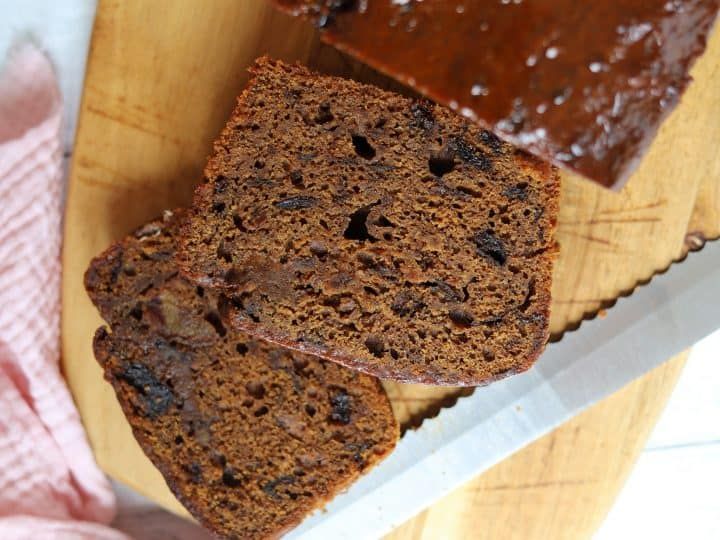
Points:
x=387 y=234
x=250 y=437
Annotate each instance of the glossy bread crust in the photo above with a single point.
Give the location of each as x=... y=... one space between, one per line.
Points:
x=584 y=85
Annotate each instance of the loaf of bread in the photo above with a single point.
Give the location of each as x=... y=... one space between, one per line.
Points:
x=384 y=233
x=584 y=85
x=250 y=437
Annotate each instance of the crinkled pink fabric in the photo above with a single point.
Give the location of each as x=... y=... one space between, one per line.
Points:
x=50 y=486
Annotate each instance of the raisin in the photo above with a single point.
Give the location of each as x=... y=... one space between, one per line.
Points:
x=490 y=246
x=492 y=141
x=422 y=115
x=406 y=304
x=448 y=292
x=461 y=317
x=517 y=192
x=470 y=154
x=270 y=487
x=318 y=249
x=341 y=408
x=157 y=397
x=296 y=203
x=194 y=470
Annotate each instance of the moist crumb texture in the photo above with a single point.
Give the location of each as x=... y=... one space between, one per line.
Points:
x=380 y=232
x=250 y=437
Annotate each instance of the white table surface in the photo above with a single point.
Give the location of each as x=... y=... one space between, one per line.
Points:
x=672 y=491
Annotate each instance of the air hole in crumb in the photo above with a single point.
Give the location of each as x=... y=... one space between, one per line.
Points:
x=262 y=411
x=218 y=207
x=259 y=164
x=375 y=346
x=136 y=312
x=179 y=439
x=357 y=228
x=229 y=478
x=214 y=319
x=238 y=222
x=395 y=355
x=200 y=291
x=370 y=290
x=255 y=389
x=488 y=355
x=469 y=191
x=299 y=363
x=382 y=221
x=296 y=178
x=310 y=410
x=324 y=115
x=441 y=165
x=362 y=146
x=223 y=252
x=241 y=348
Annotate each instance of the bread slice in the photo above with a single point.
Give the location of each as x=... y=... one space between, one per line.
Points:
x=250 y=437
x=383 y=233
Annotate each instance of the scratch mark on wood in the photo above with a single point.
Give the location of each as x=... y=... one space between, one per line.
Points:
x=588 y=237
x=656 y=204
x=135 y=125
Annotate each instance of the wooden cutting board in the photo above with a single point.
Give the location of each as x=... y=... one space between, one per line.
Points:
x=162 y=78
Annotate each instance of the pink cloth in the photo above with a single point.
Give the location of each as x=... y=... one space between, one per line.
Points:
x=50 y=486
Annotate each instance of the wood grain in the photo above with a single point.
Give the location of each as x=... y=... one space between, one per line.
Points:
x=561 y=486
x=162 y=78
